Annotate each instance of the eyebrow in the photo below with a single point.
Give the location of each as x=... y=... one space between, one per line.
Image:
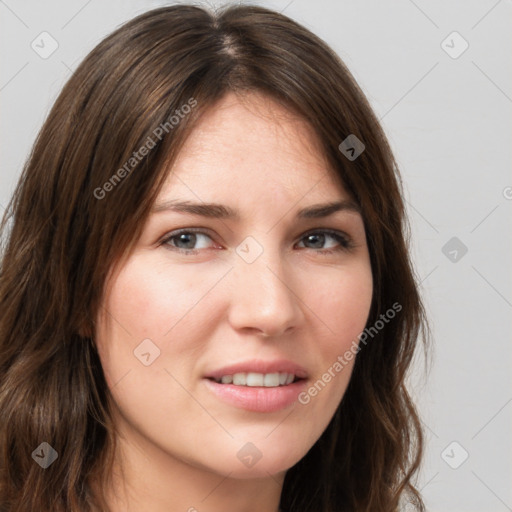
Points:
x=220 y=211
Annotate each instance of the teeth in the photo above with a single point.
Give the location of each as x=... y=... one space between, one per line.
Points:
x=240 y=379
x=255 y=379
x=251 y=379
x=271 y=380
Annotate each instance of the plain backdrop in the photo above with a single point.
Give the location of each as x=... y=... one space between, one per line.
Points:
x=438 y=75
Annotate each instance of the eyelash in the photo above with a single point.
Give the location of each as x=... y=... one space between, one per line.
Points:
x=344 y=241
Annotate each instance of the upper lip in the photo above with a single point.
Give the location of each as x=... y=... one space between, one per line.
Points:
x=259 y=366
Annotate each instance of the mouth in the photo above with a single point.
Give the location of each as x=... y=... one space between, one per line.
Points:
x=258 y=386
x=253 y=379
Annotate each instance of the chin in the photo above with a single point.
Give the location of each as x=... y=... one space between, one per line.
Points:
x=259 y=459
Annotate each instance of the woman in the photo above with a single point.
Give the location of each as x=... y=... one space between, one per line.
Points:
x=261 y=365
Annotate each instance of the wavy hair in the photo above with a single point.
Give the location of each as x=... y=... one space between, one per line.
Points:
x=64 y=237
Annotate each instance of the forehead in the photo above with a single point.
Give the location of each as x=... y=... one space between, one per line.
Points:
x=251 y=145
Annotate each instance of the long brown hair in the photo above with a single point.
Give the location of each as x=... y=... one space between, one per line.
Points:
x=75 y=213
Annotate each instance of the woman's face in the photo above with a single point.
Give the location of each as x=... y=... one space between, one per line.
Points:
x=262 y=294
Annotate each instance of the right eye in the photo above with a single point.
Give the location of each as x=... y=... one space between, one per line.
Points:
x=185 y=240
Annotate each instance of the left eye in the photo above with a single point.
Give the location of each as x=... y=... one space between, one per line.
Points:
x=319 y=237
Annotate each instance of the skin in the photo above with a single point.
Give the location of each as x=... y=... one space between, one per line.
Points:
x=178 y=442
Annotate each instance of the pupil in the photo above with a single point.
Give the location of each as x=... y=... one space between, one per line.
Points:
x=184 y=236
x=318 y=237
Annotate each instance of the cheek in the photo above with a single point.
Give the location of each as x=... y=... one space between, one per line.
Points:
x=142 y=315
x=143 y=298
x=344 y=309
x=150 y=299
x=346 y=305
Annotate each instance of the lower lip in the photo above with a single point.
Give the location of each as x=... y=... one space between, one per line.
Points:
x=257 y=399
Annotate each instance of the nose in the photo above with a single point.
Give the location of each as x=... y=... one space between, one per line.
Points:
x=264 y=298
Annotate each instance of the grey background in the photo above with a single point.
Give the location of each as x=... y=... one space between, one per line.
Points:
x=449 y=124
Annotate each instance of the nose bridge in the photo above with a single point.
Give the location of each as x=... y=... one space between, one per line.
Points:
x=263 y=298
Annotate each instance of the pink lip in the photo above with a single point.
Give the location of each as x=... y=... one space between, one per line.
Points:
x=258 y=398
x=260 y=366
